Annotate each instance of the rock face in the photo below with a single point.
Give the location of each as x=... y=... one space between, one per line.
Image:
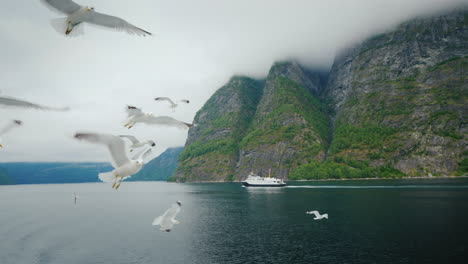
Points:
x=211 y=150
x=400 y=98
x=394 y=105
x=290 y=126
x=160 y=168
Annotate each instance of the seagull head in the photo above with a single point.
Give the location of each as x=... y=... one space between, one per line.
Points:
x=89 y=8
x=152 y=143
x=139 y=163
x=179 y=203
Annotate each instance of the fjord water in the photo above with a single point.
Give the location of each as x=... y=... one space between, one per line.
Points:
x=379 y=221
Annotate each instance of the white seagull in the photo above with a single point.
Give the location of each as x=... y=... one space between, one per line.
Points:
x=124 y=167
x=167 y=220
x=172 y=104
x=136 y=143
x=14 y=102
x=135 y=115
x=75 y=197
x=7 y=128
x=317 y=215
x=77 y=14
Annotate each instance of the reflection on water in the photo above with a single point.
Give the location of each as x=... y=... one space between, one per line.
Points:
x=389 y=221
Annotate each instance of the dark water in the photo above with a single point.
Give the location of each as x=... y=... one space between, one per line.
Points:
x=388 y=221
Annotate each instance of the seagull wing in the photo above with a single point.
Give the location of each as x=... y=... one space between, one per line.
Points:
x=157 y=220
x=13 y=102
x=172 y=212
x=133 y=139
x=165 y=99
x=115 y=23
x=9 y=127
x=64 y=6
x=316 y=213
x=115 y=144
x=142 y=155
x=165 y=121
x=133 y=111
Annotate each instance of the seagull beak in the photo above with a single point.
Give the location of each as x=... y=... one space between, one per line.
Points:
x=1 y=146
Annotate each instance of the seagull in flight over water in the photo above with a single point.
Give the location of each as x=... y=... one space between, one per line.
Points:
x=135 y=115
x=78 y=14
x=7 y=128
x=317 y=215
x=124 y=167
x=167 y=220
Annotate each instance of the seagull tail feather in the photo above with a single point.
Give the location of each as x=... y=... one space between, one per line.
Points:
x=107 y=176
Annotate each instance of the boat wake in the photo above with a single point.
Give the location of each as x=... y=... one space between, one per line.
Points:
x=380 y=187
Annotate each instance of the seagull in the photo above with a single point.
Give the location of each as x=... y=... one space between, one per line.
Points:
x=167 y=220
x=173 y=105
x=77 y=14
x=317 y=215
x=124 y=167
x=135 y=115
x=14 y=102
x=7 y=128
x=136 y=143
x=75 y=197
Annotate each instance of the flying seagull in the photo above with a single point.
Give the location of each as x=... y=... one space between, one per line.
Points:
x=167 y=220
x=172 y=104
x=136 y=143
x=124 y=167
x=317 y=215
x=7 y=128
x=14 y=102
x=75 y=197
x=135 y=115
x=78 y=14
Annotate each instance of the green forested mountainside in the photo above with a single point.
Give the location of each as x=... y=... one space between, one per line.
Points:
x=392 y=106
x=211 y=151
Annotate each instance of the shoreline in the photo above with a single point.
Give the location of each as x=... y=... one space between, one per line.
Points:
x=349 y=179
x=401 y=178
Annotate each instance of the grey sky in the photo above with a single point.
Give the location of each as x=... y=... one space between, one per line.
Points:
x=196 y=47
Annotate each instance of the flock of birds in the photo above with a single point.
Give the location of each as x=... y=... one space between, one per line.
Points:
x=124 y=165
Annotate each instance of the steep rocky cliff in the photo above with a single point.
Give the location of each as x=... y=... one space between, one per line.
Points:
x=392 y=106
x=400 y=98
x=211 y=150
x=290 y=126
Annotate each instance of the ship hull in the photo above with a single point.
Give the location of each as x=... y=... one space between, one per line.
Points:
x=246 y=184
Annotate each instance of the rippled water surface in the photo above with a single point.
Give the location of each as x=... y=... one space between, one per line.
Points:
x=379 y=221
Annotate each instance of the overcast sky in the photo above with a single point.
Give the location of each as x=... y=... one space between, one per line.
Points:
x=197 y=45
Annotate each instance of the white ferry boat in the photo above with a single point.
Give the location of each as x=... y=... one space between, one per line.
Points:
x=253 y=180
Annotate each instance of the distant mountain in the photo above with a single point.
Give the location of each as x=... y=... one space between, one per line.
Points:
x=35 y=173
x=160 y=168
x=394 y=105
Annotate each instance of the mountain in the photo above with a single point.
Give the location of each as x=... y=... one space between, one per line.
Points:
x=391 y=106
x=57 y=172
x=211 y=151
x=160 y=168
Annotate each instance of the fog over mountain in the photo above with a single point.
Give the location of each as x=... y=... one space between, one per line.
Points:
x=195 y=48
